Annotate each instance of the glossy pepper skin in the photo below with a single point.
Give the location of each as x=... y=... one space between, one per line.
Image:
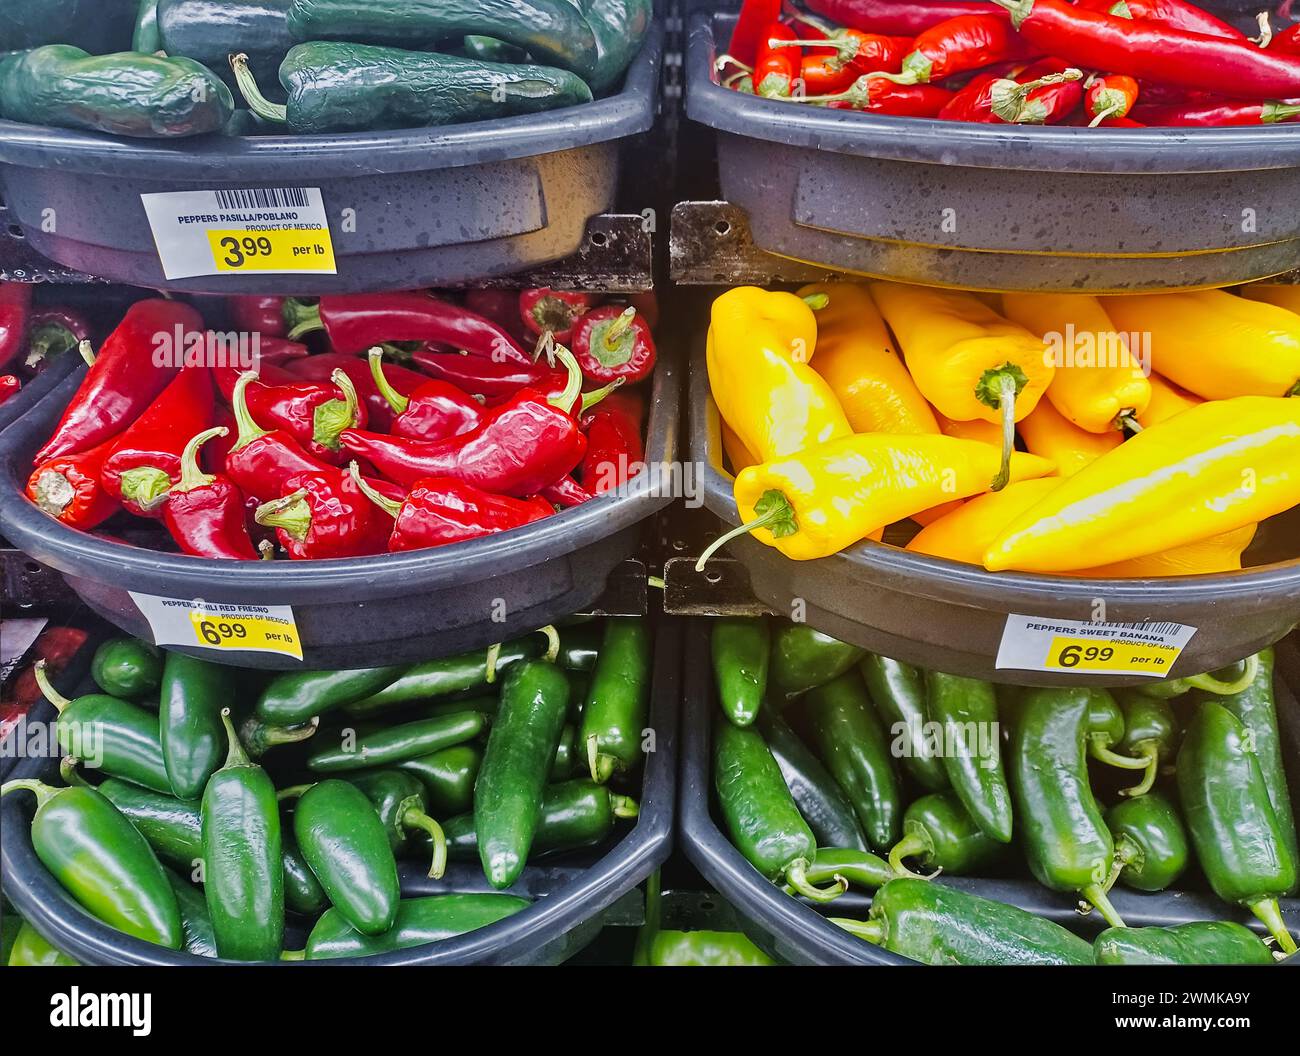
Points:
x=436 y=409
x=755 y=16
x=967 y=710
x=302 y=891
x=1150 y=841
x=1180 y=14
x=99 y=858
x=68 y=488
x=401 y=802
x=313 y=414
x=898 y=692
x=325 y=515
x=1181 y=480
x=172 y=827
x=204 y=512
x=776 y=68
x=31 y=950
x=262 y=460
x=297 y=696
x=127 y=668
x=198 y=937
x=961 y=44
x=15 y=307
x=1230 y=817
x=878 y=96
x=258 y=313
x=193 y=740
x=1111 y=96
x=804 y=658
x=320 y=368
x=942 y=836
x=740 y=648
x=448 y=777
x=558 y=311
x=1167 y=400
x=10 y=386
x=394 y=744
x=896 y=16
x=617 y=704
x=1151 y=732
x=704 y=949
x=615 y=450
x=1049 y=435
x=419 y=921
x=243 y=864
x=485 y=377
x=612 y=343
x=1200 y=942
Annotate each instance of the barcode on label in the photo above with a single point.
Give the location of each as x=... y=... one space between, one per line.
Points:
x=264 y=198
x=1150 y=628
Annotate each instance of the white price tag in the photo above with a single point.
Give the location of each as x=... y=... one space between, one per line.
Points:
x=1035 y=643
x=219 y=626
x=259 y=230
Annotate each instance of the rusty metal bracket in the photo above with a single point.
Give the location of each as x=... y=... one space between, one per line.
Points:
x=710 y=244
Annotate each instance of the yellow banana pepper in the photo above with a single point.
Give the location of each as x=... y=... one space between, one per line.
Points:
x=1219 y=466
x=738 y=454
x=1215 y=344
x=757 y=352
x=1167 y=399
x=1283 y=296
x=1100 y=384
x=856 y=356
x=821 y=500
x=965 y=533
x=984 y=432
x=1047 y=434
x=967 y=360
x=1219 y=553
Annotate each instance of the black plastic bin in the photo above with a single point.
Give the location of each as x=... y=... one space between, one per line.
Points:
x=575 y=897
x=951 y=616
x=36 y=390
x=409 y=208
x=363 y=612
x=1002 y=207
x=792 y=931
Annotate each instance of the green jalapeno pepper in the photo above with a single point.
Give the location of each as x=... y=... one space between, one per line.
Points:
x=419 y=921
x=146 y=39
x=620 y=27
x=740 y=649
x=1105 y=732
x=302 y=891
x=846 y=735
x=966 y=709
x=819 y=798
x=1064 y=835
x=1207 y=683
x=1231 y=819
x=99 y=858
x=196 y=923
x=566 y=755
x=1201 y=942
x=1150 y=733
x=615 y=711
x=448 y=777
x=489 y=49
x=937 y=925
x=394 y=744
x=579 y=647
x=400 y=802
x=519 y=756
x=32 y=950
x=127 y=668
x=243 y=865
x=856 y=868
x=299 y=696
x=941 y=834
x=1150 y=842
x=259 y=737
x=898 y=692
x=760 y=813
x=193 y=692
x=804 y=658
x=704 y=949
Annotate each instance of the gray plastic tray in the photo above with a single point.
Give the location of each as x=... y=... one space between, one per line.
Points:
x=436 y=206
x=1003 y=207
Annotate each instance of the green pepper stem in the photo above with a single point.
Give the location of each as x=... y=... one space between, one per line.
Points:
x=146 y=486
x=762 y=521
x=292 y=513
x=872 y=931
x=1268 y=911
x=396 y=400
x=590 y=399
x=1210 y=684
x=493 y=652
x=1148 y=781
x=257 y=102
x=87 y=352
x=624 y=806
x=552 y=643
x=248 y=430
x=48 y=341
x=191 y=475
x=913 y=845
x=566 y=400
x=294 y=313
x=796 y=875
x=657 y=582
x=333 y=416
x=619 y=327
x=260 y=737
x=1096 y=895
x=293 y=955
x=390 y=506
x=817 y=301
x=235 y=754
x=47 y=690
x=1102 y=754
x=39 y=789
x=69 y=773
x=599 y=763
x=292 y=792
x=1127 y=419
x=418 y=819
x=308 y=322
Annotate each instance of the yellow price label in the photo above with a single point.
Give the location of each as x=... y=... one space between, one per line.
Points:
x=268 y=634
x=290 y=250
x=1092 y=654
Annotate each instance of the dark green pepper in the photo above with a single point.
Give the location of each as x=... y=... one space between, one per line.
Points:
x=209 y=31
x=399 y=800
x=579 y=647
x=1207 y=683
x=1230 y=817
x=520 y=753
x=804 y=658
x=410 y=740
x=243 y=866
x=146 y=39
x=99 y=858
x=299 y=696
x=115 y=736
x=819 y=798
x=857 y=868
x=302 y=891
x=147 y=96
x=553 y=31
x=1105 y=732
x=575 y=814
x=448 y=777
x=1201 y=942
x=847 y=736
x=356 y=87
x=260 y=737
x=196 y=923
x=1150 y=842
x=1064 y=835
x=966 y=709
x=346 y=845
x=127 y=668
x=489 y=49
x=898 y=692
x=1150 y=733
x=740 y=648
x=939 y=925
x=172 y=827
x=941 y=834
x=419 y=921
x=620 y=27
x=193 y=692
x=566 y=755
x=760 y=813
x=704 y=949
x=32 y=950
x=618 y=701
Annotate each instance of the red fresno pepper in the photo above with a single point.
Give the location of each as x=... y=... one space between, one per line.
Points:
x=1110 y=96
x=615 y=451
x=755 y=16
x=259 y=314
x=908 y=17
x=10 y=386
x=776 y=68
x=823 y=73
x=442 y=510
x=15 y=305
x=51 y=333
x=261 y=460
x=554 y=310
x=1221 y=112
x=501 y=306
x=879 y=96
x=325 y=515
x=146 y=459
x=963 y=44
x=204 y=512
x=856 y=51
x=1148 y=50
x=127 y=375
x=313 y=414
x=1176 y=13
x=359 y=321
x=433 y=411
x=482 y=377
x=69 y=490
x=56 y=647
x=612 y=343
x=321 y=369
x=566 y=492
x=1005 y=101
x=1288 y=41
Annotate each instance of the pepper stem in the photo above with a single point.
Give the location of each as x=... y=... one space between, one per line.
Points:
x=248 y=429
x=70 y=774
x=293 y=955
x=779 y=514
x=1127 y=419
x=39 y=789
x=87 y=352
x=191 y=475
x=999 y=389
x=1149 y=778
x=295 y=312
x=309 y=321
x=573 y=387
x=1267 y=910
x=872 y=931
x=590 y=399
x=619 y=327
x=292 y=792
x=913 y=845
x=1210 y=684
x=49 y=341
x=260 y=737
x=552 y=643
x=493 y=652
x=1096 y=895
x=390 y=506
x=257 y=102
x=235 y=754
x=146 y=486
x=418 y=819
x=396 y=400
x=330 y=418
x=624 y=806
x=1103 y=754
x=796 y=875
x=817 y=301
x=600 y=764
x=291 y=513
x=47 y=690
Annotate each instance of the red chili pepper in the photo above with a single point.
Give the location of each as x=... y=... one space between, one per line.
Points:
x=612 y=343
x=615 y=451
x=277 y=351
x=1053 y=103
x=68 y=488
x=312 y=413
x=127 y=375
x=482 y=377
x=961 y=44
x=1177 y=13
x=15 y=305
x=1288 y=41
x=1148 y=50
x=146 y=459
x=501 y=306
x=10 y=386
x=566 y=492
x=554 y=310
x=822 y=74
x=261 y=460
x=321 y=369
x=357 y=322
x=1006 y=101
x=908 y=17
x=204 y=512
x=852 y=49
x=897 y=100
x=646 y=304
x=56 y=646
x=755 y=16
x=324 y=515
x=776 y=68
x=259 y=314
x=435 y=410
x=1110 y=96
x=52 y=333
x=1220 y=112
x=442 y=510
